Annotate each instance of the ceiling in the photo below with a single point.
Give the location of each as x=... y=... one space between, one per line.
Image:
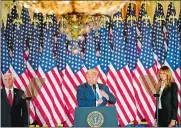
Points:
x=64 y=7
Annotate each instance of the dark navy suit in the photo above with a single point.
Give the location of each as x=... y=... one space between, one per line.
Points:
x=17 y=115
x=86 y=96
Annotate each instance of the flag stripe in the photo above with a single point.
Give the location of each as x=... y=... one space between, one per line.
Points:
x=123 y=93
x=54 y=95
x=102 y=77
x=151 y=100
x=70 y=82
x=143 y=100
x=52 y=78
x=49 y=96
x=123 y=119
x=39 y=101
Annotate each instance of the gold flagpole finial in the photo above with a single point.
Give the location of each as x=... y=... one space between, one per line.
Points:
x=47 y=20
x=131 y=18
x=36 y=22
x=18 y=22
x=145 y=2
x=160 y=19
x=117 y=19
x=104 y=20
x=172 y=18
x=146 y=18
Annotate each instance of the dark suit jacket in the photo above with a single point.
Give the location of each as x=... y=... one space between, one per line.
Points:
x=86 y=96
x=17 y=115
x=169 y=102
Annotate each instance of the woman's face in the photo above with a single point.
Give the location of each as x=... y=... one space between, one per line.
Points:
x=163 y=76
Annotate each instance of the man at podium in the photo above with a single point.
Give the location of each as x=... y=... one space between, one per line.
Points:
x=92 y=93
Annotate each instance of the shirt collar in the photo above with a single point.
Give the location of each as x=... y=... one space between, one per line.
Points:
x=7 y=90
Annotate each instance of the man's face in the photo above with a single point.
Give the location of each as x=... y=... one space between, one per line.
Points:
x=91 y=78
x=8 y=81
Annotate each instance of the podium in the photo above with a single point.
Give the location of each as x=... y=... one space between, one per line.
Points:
x=95 y=117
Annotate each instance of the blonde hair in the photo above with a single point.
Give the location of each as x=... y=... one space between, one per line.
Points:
x=166 y=70
x=92 y=71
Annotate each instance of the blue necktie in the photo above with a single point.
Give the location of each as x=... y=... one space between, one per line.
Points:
x=97 y=96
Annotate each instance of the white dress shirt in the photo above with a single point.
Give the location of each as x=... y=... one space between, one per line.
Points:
x=98 y=92
x=160 y=92
x=12 y=92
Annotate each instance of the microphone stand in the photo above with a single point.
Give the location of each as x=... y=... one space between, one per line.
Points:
x=157 y=101
x=28 y=101
x=94 y=87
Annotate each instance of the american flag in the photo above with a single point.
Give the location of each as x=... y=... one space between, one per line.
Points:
x=130 y=14
x=90 y=58
x=131 y=46
x=170 y=12
x=179 y=24
x=39 y=17
x=105 y=52
x=158 y=37
x=141 y=14
x=18 y=67
x=25 y=29
x=142 y=77
x=119 y=77
x=179 y=19
x=61 y=53
x=74 y=76
x=8 y=29
x=61 y=58
x=50 y=93
x=130 y=10
x=97 y=39
x=32 y=66
x=5 y=58
x=158 y=11
x=173 y=59
x=54 y=25
x=11 y=27
x=55 y=30
x=132 y=55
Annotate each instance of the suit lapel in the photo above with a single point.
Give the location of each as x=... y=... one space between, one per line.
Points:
x=100 y=86
x=165 y=90
x=89 y=88
x=5 y=97
x=15 y=97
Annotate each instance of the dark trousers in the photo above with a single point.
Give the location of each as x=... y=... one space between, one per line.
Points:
x=164 y=118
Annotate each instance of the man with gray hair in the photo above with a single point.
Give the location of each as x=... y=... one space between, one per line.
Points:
x=14 y=112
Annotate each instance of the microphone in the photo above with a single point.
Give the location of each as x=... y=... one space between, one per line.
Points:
x=156 y=95
x=94 y=87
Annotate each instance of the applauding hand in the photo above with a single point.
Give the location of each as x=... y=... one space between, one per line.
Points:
x=104 y=94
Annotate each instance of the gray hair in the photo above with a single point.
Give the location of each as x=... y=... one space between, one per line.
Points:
x=8 y=73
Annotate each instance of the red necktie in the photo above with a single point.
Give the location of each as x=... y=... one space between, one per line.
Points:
x=10 y=98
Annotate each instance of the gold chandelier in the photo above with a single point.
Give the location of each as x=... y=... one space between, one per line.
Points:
x=64 y=7
x=75 y=17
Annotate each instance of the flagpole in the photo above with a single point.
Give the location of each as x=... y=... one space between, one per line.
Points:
x=28 y=101
x=157 y=101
